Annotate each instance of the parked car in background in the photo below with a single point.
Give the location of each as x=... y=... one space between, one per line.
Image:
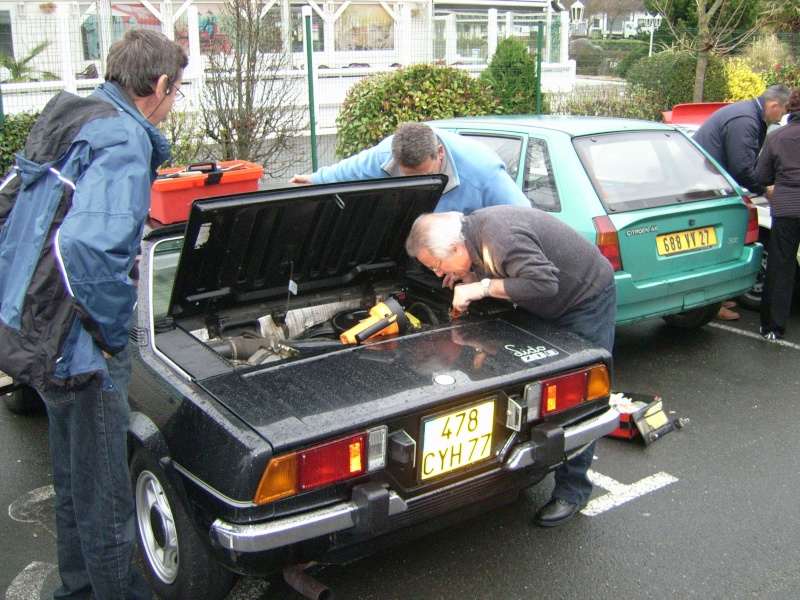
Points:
x=675 y=227
x=260 y=440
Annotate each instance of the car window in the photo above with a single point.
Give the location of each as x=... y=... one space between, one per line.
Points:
x=508 y=149
x=165 y=263
x=539 y=186
x=632 y=170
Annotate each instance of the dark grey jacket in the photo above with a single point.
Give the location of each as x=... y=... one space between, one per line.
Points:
x=548 y=267
x=779 y=165
x=733 y=135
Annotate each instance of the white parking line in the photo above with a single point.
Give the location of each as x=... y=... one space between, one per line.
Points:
x=620 y=493
x=29 y=583
x=752 y=334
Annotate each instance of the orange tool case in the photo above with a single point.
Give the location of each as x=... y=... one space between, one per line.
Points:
x=175 y=189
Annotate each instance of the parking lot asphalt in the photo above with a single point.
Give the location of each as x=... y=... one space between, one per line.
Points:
x=708 y=511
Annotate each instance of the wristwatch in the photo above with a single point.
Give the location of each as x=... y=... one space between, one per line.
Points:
x=485 y=285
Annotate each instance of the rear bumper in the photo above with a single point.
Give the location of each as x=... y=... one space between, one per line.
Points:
x=372 y=506
x=637 y=301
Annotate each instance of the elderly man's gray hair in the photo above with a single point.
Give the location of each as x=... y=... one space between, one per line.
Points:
x=413 y=144
x=438 y=233
x=777 y=92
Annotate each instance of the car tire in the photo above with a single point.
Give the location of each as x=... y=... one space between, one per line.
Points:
x=751 y=299
x=24 y=401
x=694 y=318
x=177 y=563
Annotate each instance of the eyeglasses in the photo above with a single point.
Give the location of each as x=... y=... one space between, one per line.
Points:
x=436 y=268
x=178 y=93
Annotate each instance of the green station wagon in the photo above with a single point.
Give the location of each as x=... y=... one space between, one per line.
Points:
x=679 y=232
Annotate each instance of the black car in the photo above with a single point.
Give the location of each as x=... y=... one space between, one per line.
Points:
x=260 y=440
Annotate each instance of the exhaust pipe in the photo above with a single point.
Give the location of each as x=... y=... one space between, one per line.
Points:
x=305 y=584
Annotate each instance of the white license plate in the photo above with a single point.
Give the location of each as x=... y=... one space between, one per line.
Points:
x=457 y=439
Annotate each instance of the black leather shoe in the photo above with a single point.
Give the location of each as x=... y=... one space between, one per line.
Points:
x=555 y=513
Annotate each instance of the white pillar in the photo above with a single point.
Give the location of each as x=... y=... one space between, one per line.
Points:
x=65 y=48
x=329 y=31
x=492 y=34
x=103 y=30
x=563 y=54
x=548 y=38
x=195 y=60
x=450 y=38
x=167 y=20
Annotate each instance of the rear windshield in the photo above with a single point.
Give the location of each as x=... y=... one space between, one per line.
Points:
x=633 y=170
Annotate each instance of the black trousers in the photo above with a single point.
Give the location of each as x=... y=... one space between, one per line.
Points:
x=776 y=300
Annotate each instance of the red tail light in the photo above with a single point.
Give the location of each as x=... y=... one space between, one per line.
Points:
x=752 y=222
x=333 y=462
x=608 y=241
x=324 y=464
x=566 y=391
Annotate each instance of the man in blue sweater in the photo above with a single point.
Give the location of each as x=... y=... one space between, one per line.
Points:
x=477 y=177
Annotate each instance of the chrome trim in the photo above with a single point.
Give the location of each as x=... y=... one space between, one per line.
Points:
x=521 y=456
x=219 y=495
x=576 y=436
x=260 y=537
x=587 y=431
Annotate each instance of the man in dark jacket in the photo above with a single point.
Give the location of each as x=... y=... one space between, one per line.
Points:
x=733 y=136
x=778 y=167
x=544 y=266
x=82 y=194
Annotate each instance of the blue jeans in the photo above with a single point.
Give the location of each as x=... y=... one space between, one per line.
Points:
x=94 y=500
x=594 y=320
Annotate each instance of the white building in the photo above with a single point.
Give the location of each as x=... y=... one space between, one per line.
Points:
x=350 y=38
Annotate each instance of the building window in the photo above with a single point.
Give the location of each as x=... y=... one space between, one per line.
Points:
x=6 y=43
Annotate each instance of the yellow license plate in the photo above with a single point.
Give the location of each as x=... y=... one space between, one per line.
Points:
x=457 y=439
x=686 y=241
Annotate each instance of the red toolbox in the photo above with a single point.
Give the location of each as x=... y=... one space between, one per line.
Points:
x=174 y=191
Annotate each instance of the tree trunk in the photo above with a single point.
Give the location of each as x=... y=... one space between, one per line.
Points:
x=700 y=76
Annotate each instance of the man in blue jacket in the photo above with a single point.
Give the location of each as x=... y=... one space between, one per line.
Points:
x=477 y=177
x=734 y=135
x=75 y=204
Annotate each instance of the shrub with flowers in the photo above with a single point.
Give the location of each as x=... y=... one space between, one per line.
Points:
x=786 y=73
x=743 y=83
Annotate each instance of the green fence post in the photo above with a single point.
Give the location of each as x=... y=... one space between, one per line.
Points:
x=310 y=68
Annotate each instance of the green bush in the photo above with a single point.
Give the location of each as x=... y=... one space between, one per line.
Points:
x=786 y=73
x=376 y=105
x=635 y=55
x=512 y=75
x=630 y=102
x=672 y=74
x=12 y=137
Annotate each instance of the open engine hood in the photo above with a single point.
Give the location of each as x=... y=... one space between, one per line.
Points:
x=264 y=245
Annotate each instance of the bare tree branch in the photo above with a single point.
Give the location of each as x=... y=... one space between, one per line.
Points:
x=251 y=98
